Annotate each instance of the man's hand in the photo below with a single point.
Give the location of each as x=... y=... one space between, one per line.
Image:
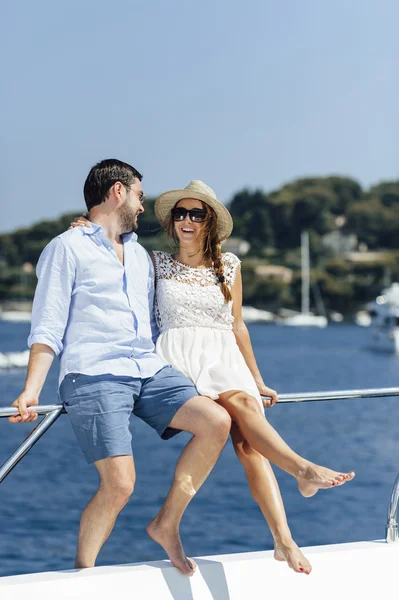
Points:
x=21 y=403
x=266 y=391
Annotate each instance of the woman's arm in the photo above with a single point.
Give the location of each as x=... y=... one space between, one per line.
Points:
x=244 y=342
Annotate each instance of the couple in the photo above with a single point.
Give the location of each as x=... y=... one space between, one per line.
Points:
x=94 y=306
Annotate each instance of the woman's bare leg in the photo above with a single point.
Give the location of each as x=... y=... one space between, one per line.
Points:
x=245 y=410
x=266 y=492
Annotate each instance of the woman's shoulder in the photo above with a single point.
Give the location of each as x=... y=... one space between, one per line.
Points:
x=160 y=255
x=230 y=259
x=163 y=262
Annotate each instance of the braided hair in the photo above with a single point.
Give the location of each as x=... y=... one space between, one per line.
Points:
x=211 y=247
x=212 y=250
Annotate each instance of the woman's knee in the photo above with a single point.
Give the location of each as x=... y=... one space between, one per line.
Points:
x=243 y=402
x=203 y=416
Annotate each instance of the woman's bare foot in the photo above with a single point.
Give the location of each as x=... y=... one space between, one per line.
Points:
x=171 y=543
x=313 y=477
x=288 y=551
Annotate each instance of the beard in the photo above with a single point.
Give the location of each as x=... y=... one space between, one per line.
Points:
x=127 y=219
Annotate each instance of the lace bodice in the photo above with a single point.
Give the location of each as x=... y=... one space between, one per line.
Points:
x=191 y=296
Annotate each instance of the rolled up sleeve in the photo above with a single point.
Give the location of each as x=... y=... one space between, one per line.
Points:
x=56 y=275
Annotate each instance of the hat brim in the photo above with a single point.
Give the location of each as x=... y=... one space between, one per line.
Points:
x=166 y=201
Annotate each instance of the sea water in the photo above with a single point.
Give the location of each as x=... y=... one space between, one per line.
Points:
x=42 y=499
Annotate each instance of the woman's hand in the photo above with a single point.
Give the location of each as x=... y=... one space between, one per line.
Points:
x=271 y=395
x=81 y=221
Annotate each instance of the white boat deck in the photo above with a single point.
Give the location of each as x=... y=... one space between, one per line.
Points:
x=344 y=571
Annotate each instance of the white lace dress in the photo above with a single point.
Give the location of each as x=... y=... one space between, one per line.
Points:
x=196 y=326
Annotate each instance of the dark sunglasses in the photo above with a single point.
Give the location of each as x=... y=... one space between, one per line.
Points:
x=197 y=215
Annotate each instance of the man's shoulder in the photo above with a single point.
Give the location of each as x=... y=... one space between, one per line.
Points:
x=62 y=243
x=67 y=238
x=71 y=236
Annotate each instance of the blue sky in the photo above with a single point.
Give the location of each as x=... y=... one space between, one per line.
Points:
x=238 y=94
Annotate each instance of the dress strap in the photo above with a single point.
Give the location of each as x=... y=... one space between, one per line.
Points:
x=156 y=254
x=231 y=262
x=163 y=262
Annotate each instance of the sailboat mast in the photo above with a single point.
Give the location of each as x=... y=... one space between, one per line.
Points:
x=305 y=309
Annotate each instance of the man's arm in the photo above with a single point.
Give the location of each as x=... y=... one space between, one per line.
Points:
x=40 y=359
x=56 y=276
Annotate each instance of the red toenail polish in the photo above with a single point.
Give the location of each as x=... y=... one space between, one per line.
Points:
x=300 y=569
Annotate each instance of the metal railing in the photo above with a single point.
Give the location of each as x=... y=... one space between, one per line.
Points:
x=52 y=412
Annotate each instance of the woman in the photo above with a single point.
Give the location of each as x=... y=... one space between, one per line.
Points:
x=202 y=333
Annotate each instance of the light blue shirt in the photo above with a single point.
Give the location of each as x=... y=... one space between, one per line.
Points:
x=92 y=310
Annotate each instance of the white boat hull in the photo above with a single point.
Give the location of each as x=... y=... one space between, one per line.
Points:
x=357 y=570
x=16 y=316
x=251 y=314
x=301 y=320
x=12 y=360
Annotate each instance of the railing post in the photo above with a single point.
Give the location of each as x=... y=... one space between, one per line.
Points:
x=391 y=529
x=31 y=440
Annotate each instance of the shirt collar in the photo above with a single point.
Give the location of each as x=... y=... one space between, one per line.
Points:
x=129 y=236
x=92 y=229
x=96 y=230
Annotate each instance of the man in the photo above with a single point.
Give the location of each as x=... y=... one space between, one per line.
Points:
x=93 y=307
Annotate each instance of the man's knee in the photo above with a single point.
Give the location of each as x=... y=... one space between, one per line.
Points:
x=218 y=423
x=118 y=489
x=214 y=421
x=117 y=478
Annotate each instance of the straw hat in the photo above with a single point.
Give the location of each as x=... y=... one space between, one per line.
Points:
x=197 y=190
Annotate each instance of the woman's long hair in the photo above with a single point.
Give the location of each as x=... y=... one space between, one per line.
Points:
x=211 y=246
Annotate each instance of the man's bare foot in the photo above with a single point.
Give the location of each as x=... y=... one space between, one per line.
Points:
x=313 y=477
x=171 y=543
x=289 y=552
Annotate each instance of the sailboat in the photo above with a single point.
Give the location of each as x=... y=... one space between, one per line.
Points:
x=304 y=318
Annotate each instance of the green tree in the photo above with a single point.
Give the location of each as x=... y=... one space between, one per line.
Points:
x=252 y=220
x=301 y=206
x=375 y=219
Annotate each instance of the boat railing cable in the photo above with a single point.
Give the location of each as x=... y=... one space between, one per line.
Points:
x=52 y=412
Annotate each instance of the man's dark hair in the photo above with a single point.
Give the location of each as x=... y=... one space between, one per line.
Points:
x=103 y=176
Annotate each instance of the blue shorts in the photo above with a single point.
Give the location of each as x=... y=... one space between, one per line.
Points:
x=99 y=408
